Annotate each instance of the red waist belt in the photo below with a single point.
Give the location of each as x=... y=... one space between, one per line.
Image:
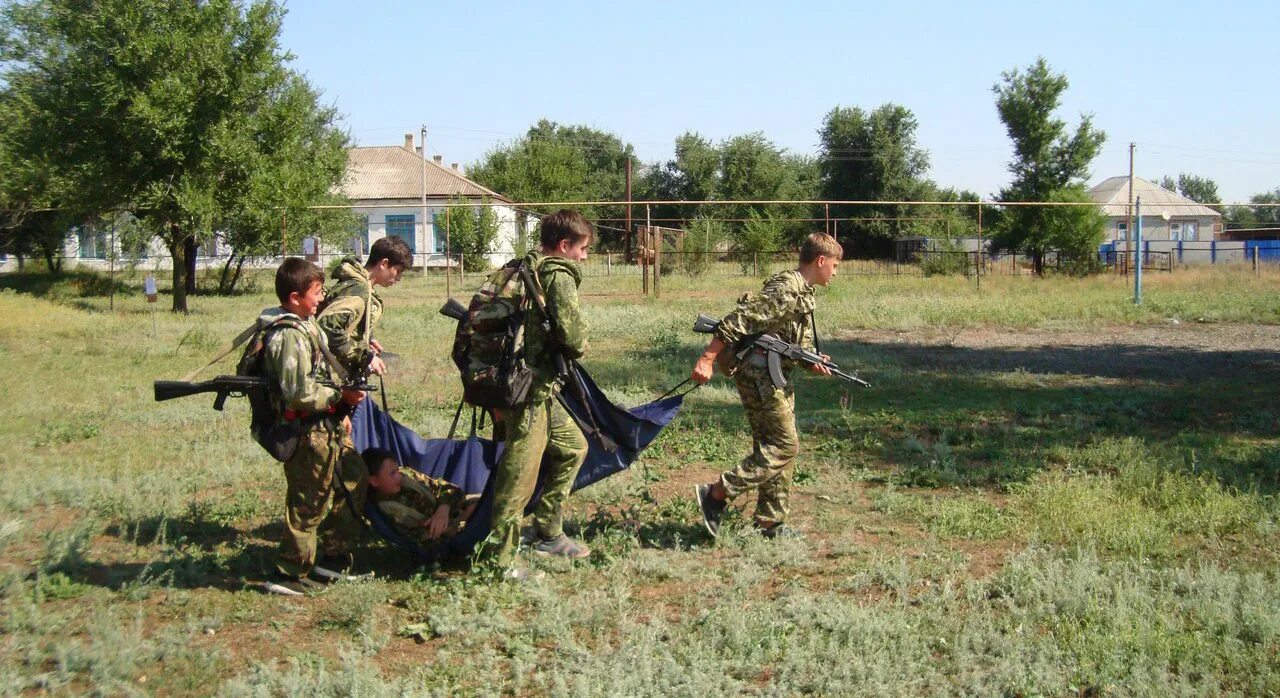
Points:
x=292 y=414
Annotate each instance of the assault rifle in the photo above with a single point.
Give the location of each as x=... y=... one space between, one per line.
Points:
x=776 y=350
x=231 y=386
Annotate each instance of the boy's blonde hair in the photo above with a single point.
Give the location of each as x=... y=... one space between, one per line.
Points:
x=819 y=245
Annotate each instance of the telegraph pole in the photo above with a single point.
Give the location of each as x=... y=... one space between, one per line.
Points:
x=1128 y=230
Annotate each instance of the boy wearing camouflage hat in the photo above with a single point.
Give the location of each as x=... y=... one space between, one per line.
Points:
x=784 y=308
x=352 y=307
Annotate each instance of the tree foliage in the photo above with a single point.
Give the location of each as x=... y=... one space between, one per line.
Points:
x=748 y=167
x=1201 y=190
x=472 y=232
x=182 y=112
x=556 y=162
x=873 y=156
x=1264 y=213
x=1047 y=159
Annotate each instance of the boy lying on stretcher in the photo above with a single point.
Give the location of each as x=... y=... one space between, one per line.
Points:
x=421 y=508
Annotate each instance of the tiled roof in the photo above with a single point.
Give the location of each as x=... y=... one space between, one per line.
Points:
x=1113 y=195
x=394 y=172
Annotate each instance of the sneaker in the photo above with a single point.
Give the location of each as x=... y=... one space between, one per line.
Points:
x=712 y=508
x=291 y=586
x=324 y=575
x=333 y=568
x=561 y=546
x=780 y=531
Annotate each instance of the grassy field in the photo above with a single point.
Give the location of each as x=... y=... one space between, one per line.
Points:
x=1047 y=491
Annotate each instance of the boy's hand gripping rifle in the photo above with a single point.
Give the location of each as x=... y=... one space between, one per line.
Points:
x=775 y=351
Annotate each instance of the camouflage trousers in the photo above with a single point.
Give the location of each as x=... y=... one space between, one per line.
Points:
x=771 y=413
x=543 y=427
x=315 y=509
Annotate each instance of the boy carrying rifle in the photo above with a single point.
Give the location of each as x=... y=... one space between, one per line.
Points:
x=296 y=365
x=783 y=308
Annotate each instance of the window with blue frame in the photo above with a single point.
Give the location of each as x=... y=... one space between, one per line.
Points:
x=402 y=227
x=93 y=245
x=438 y=231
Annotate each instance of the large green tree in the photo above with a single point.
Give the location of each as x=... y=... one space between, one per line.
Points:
x=873 y=156
x=1046 y=157
x=158 y=106
x=741 y=168
x=557 y=162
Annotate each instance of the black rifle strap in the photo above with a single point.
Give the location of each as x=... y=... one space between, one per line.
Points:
x=590 y=427
x=676 y=389
x=813 y=325
x=453 y=428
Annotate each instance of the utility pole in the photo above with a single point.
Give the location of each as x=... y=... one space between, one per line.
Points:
x=424 y=197
x=1137 y=267
x=1128 y=230
x=627 y=241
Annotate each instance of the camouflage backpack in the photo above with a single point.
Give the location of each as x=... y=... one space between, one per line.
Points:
x=266 y=423
x=488 y=347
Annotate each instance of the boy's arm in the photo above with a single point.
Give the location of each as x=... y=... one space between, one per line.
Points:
x=405 y=518
x=288 y=359
x=570 y=326
x=757 y=312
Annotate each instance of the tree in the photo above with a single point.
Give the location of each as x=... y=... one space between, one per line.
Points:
x=555 y=162
x=303 y=157
x=1201 y=190
x=1046 y=158
x=1074 y=231
x=1264 y=213
x=749 y=167
x=873 y=157
x=472 y=233
x=156 y=106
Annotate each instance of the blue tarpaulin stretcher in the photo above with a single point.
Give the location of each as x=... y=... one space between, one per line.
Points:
x=469 y=462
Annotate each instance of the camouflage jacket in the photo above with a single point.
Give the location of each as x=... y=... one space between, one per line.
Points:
x=558 y=279
x=343 y=317
x=293 y=361
x=417 y=501
x=781 y=308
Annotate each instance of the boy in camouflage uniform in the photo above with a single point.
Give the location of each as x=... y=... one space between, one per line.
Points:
x=420 y=508
x=353 y=308
x=543 y=425
x=294 y=363
x=784 y=308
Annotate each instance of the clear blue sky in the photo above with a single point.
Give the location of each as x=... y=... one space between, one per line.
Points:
x=1193 y=84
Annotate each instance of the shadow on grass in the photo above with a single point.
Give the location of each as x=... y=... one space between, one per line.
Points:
x=946 y=416
x=62 y=285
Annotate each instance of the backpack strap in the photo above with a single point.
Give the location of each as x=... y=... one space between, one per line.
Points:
x=323 y=350
x=239 y=339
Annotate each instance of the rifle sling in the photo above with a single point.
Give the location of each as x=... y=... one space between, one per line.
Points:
x=235 y=344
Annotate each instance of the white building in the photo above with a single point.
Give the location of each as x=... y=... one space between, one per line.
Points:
x=1166 y=215
x=386 y=186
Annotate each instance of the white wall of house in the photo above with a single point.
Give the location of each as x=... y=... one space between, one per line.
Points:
x=1184 y=228
x=428 y=243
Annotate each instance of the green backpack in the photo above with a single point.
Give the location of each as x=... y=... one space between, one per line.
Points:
x=488 y=347
x=266 y=419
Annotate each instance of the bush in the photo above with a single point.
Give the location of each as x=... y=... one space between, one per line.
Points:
x=945 y=256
